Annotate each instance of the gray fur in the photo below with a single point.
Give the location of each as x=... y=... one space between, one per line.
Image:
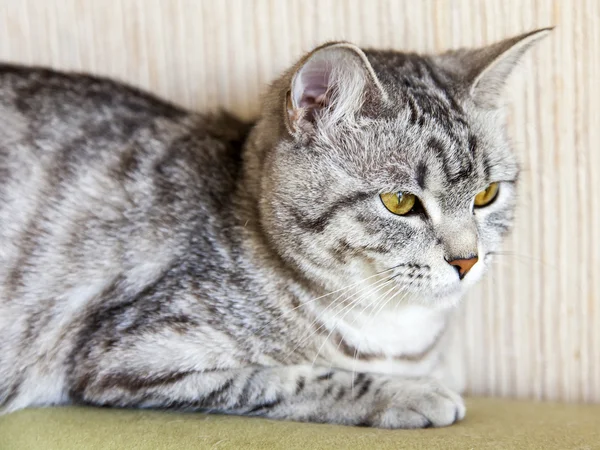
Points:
x=154 y=257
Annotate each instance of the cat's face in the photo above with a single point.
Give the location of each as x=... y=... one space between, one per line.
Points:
x=332 y=221
x=406 y=195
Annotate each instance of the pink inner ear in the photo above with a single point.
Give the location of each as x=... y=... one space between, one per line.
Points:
x=311 y=88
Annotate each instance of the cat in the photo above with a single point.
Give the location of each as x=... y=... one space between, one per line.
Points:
x=301 y=267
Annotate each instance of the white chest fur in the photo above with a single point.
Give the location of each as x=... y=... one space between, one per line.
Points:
x=401 y=340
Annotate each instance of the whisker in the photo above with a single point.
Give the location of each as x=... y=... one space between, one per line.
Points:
x=362 y=312
x=373 y=316
x=354 y=284
x=400 y=289
x=347 y=288
x=382 y=301
x=522 y=256
x=336 y=301
x=353 y=305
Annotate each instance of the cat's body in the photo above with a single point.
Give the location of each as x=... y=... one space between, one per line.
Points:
x=153 y=257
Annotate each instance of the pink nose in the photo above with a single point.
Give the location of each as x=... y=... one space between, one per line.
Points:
x=463 y=265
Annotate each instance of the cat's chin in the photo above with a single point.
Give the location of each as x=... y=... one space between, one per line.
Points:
x=447 y=299
x=444 y=297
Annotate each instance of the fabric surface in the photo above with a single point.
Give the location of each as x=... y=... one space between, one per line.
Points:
x=490 y=424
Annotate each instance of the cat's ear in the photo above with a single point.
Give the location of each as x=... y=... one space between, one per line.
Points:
x=485 y=70
x=329 y=85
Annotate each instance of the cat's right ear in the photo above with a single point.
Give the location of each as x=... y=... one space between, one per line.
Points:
x=329 y=86
x=484 y=71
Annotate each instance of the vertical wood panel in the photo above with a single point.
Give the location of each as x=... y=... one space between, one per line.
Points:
x=532 y=329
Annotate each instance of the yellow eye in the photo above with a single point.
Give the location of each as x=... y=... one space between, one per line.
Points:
x=399 y=203
x=487 y=196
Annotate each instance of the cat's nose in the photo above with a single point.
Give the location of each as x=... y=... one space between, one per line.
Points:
x=463 y=266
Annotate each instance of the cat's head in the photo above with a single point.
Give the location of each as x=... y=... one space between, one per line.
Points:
x=389 y=170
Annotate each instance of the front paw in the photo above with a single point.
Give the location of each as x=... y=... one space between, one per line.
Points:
x=416 y=403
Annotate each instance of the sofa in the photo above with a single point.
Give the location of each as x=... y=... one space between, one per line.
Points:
x=490 y=424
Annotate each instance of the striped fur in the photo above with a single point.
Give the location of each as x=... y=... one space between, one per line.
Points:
x=155 y=257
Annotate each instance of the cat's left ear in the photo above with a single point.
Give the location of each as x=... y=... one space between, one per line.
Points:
x=483 y=72
x=330 y=85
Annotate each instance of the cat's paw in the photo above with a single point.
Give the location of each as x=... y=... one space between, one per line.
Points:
x=417 y=403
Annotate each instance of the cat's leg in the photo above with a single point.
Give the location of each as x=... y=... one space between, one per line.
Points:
x=301 y=393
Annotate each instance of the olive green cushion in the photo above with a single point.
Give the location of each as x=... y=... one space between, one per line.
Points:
x=490 y=424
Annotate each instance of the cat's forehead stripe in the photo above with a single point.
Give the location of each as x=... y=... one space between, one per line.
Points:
x=421 y=174
x=457 y=163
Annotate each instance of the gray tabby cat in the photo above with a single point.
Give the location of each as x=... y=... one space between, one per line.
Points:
x=303 y=268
